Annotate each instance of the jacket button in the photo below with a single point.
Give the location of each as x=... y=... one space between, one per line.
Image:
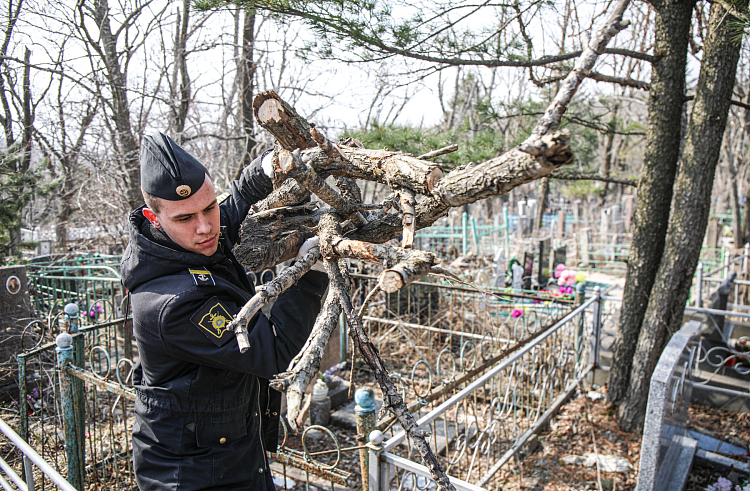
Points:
x=222 y=440
x=260 y=470
x=275 y=413
x=256 y=414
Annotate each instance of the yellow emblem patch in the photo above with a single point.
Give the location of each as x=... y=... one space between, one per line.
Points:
x=213 y=319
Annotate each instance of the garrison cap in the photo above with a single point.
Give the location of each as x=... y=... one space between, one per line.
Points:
x=167 y=170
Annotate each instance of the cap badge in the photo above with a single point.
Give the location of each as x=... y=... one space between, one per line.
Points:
x=183 y=190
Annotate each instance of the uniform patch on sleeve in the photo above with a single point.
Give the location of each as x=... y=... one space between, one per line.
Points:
x=202 y=277
x=212 y=320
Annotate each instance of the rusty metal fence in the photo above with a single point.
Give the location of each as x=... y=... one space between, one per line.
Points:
x=480 y=424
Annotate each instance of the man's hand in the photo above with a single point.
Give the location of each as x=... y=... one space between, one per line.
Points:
x=309 y=244
x=267 y=164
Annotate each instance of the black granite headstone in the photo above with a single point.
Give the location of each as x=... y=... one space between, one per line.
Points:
x=14 y=297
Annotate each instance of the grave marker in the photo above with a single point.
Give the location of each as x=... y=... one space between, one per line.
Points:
x=584 y=239
x=667 y=451
x=712 y=233
x=629 y=210
x=561 y=223
x=15 y=314
x=542 y=260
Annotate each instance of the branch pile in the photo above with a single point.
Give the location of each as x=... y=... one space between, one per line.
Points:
x=303 y=158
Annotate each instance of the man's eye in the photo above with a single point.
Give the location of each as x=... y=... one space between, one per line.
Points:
x=184 y=219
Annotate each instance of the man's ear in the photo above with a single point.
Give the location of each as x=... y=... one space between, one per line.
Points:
x=151 y=217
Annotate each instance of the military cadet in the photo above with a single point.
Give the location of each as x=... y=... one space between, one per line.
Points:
x=204 y=413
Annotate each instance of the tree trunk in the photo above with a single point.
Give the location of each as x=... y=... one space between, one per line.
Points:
x=690 y=209
x=181 y=96
x=666 y=99
x=608 y=155
x=734 y=203
x=248 y=89
x=127 y=144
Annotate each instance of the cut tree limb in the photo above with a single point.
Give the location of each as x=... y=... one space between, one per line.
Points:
x=438 y=152
x=414 y=267
x=291 y=130
x=288 y=194
x=306 y=365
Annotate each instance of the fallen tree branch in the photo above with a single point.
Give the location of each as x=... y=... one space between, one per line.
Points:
x=270 y=290
x=290 y=164
x=408 y=202
x=392 y=401
x=291 y=130
x=305 y=366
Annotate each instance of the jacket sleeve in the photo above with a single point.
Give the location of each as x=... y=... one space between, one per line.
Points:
x=273 y=342
x=252 y=186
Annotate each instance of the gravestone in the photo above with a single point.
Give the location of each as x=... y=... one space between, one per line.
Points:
x=584 y=239
x=712 y=233
x=716 y=330
x=542 y=260
x=44 y=248
x=530 y=216
x=559 y=256
x=561 y=223
x=14 y=297
x=528 y=269
x=667 y=450
x=604 y=223
x=15 y=314
x=499 y=261
x=517 y=271
x=629 y=201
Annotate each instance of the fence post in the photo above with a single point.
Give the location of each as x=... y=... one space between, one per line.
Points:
x=507 y=229
x=23 y=412
x=374 y=448
x=580 y=298
x=475 y=234
x=71 y=310
x=366 y=416
x=465 y=233
x=597 y=325
x=65 y=356
x=22 y=393
x=699 y=280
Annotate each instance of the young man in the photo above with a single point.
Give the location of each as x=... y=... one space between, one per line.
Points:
x=205 y=415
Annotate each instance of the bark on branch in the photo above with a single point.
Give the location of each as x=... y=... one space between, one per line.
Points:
x=289 y=163
x=582 y=176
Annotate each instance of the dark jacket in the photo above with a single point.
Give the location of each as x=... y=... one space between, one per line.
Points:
x=204 y=412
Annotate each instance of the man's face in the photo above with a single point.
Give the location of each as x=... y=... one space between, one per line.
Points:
x=192 y=223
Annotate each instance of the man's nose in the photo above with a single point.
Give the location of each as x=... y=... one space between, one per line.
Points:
x=204 y=226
